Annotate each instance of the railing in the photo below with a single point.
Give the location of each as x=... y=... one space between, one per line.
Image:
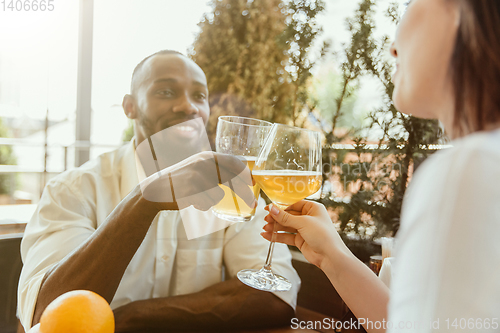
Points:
x=343 y=146
x=42 y=169
x=21 y=142
x=44 y=173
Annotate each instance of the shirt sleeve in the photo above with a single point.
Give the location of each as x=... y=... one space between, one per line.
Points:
x=60 y=224
x=245 y=248
x=447 y=253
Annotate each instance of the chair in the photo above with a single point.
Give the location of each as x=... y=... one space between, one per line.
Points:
x=316 y=291
x=317 y=298
x=10 y=269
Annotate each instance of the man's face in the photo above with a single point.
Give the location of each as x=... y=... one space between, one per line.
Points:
x=168 y=90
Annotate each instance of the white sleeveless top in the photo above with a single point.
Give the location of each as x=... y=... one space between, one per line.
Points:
x=447 y=266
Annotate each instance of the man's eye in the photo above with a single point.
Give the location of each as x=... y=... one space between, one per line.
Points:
x=166 y=93
x=200 y=96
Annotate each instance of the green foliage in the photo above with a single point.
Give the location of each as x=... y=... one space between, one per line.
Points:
x=325 y=88
x=371 y=179
x=254 y=54
x=239 y=51
x=358 y=60
x=128 y=133
x=301 y=31
x=6 y=158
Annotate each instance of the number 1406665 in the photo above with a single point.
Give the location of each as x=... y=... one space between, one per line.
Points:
x=27 y=5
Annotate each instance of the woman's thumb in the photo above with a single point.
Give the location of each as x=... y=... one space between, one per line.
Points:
x=280 y=216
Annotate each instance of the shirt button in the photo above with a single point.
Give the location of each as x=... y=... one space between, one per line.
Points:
x=164 y=258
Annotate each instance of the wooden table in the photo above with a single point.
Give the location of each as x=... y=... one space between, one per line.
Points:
x=7 y=228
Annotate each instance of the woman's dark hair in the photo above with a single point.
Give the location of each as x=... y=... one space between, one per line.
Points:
x=475 y=66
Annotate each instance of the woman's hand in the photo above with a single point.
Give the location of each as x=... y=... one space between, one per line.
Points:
x=308 y=226
x=194 y=181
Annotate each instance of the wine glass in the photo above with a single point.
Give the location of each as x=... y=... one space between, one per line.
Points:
x=288 y=169
x=244 y=138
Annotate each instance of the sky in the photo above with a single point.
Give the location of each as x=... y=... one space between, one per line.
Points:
x=39 y=52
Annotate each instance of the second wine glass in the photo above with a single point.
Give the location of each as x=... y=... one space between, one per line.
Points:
x=288 y=169
x=242 y=137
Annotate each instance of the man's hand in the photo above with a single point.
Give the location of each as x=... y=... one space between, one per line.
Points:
x=124 y=229
x=195 y=180
x=226 y=305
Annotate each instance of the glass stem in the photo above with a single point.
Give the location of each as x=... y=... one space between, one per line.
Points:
x=269 y=258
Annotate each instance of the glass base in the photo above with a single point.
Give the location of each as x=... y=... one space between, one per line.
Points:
x=264 y=279
x=232 y=218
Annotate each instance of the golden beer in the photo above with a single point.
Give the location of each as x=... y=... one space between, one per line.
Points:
x=286 y=187
x=232 y=204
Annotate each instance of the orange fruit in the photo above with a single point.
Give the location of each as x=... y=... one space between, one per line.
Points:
x=78 y=311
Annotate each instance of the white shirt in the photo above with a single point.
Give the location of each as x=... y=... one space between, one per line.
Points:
x=75 y=203
x=447 y=265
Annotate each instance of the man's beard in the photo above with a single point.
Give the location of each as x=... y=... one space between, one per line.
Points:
x=146 y=125
x=169 y=148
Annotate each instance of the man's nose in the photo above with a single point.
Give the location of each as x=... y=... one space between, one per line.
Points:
x=186 y=106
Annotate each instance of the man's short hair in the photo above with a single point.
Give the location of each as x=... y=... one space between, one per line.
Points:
x=139 y=66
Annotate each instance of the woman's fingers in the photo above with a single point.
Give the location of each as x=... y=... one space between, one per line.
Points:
x=285 y=218
x=297 y=207
x=277 y=227
x=293 y=212
x=284 y=238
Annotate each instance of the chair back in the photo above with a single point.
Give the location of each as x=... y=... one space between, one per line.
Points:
x=316 y=291
x=10 y=269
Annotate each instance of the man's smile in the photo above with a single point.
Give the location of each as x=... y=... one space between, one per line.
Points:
x=186 y=129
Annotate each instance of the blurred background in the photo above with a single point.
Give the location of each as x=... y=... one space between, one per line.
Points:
x=318 y=64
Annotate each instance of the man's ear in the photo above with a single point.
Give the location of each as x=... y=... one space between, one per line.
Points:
x=129 y=106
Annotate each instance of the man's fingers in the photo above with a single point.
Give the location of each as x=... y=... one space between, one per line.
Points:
x=157 y=188
x=235 y=174
x=206 y=200
x=243 y=190
x=229 y=167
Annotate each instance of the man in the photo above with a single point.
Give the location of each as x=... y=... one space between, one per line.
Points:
x=94 y=230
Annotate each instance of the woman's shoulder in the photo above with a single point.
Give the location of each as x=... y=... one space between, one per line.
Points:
x=467 y=172
x=479 y=150
x=454 y=187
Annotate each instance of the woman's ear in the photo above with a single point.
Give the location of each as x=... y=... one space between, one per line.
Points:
x=129 y=106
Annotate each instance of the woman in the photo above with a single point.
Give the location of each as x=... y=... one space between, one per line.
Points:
x=447 y=255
